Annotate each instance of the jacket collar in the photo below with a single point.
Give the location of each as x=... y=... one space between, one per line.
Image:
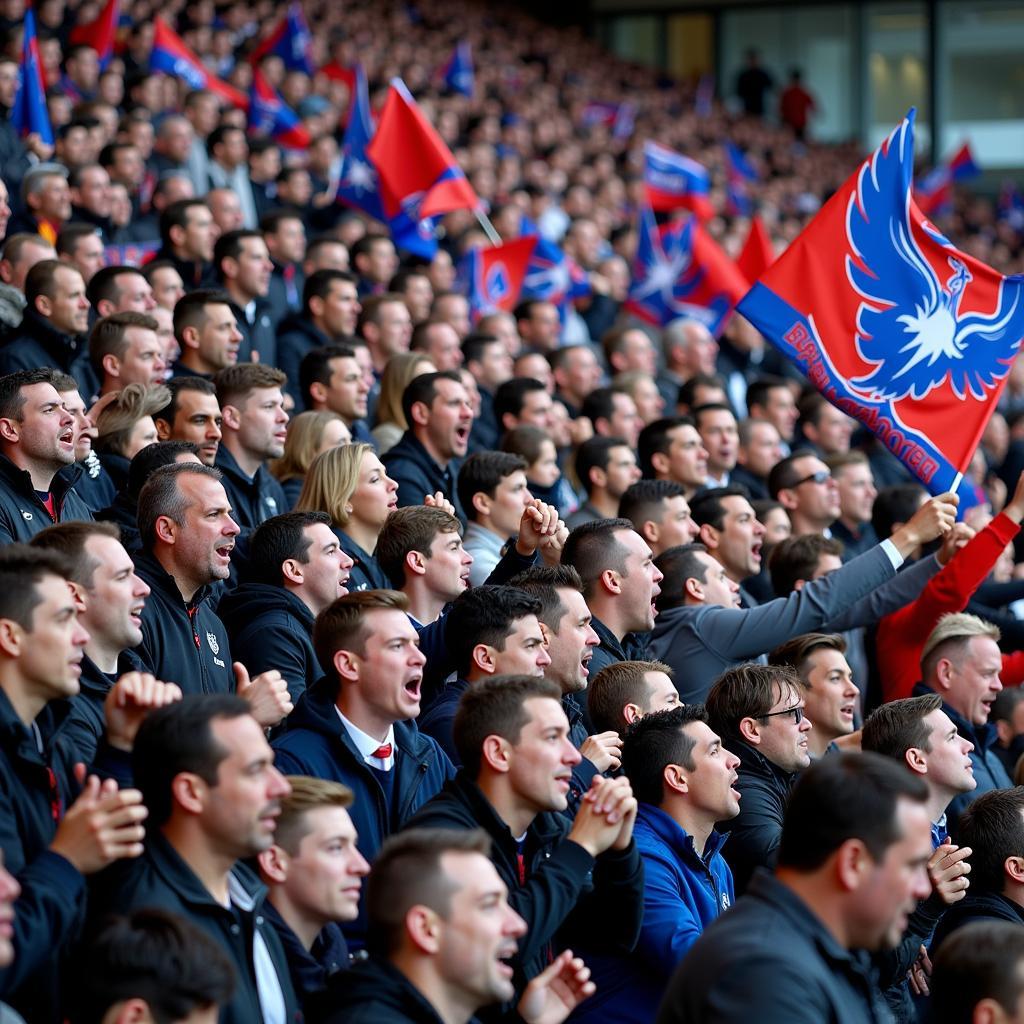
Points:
x=666 y=828
x=20 y=480
x=63 y=347
x=608 y=639
x=158 y=576
x=543 y=829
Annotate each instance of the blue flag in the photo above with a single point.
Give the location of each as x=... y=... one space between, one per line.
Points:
x=29 y=113
x=458 y=72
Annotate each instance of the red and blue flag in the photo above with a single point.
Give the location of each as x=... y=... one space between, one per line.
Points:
x=171 y=56
x=270 y=115
x=619 y=118
x=290 y=40
x=934 y=192
x=673 y=181
x=551 y=276
x=101 y=33
x=890 y=322
x=758 y=253
x=29 y=114
x=358 y=185
x=739 y=173
x=493 y=277
x=679 y=271
x=458 y=73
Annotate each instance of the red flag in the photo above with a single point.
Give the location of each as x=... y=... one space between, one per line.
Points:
x=758 y=253
x=173 y=57
x=418 y=173
x=494 y=276
x=100 y=34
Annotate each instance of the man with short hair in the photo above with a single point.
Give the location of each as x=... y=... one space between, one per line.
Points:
x=120 y=289
x=46 y=199
x=428 y=456
x=760 y=447
x=613 y=413
x=37 y=457
x=683 y=778
x=803 y=485
x=852 y=474
x=623 y=692
x=124 y=349
x=827 y=428
x=660 y=513
x=89 y=186
x=577 y=373
x=690 y=348
x=356 y=725
x=208 y=780
x=716 y=424
x=671 y=449
x=961 y=662
x=539 y=325
x=313 y=873
x=851 y=867
x=487 y=359
x=829 y=691
x=80 y=246
x=523 y=400
x=241 y=261
x=331 y=379
x=605 y=468
x=439 y=341
x=254 y=425
x=21 y=252
x=490 y=631
x=567 y=879
x=1007 y=716
x=385 y=324
x=330 y=308
x=771 y=398
x=284 y=231
x=443 y=927
x=294 y=570
x=413 y=284
x=187 y=237
x=375 y=261
x=207 y=332
x=52 y=332
x=192 y=415
x=730 y=530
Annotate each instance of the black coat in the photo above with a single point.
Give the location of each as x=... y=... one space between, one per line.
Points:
x=771 y=960
x=38 y=343
x=23 y=515
x=567 y=892
x=418 y=475
x=976 y=906
x=296 y=336
x=253 y=501
x=374 y=992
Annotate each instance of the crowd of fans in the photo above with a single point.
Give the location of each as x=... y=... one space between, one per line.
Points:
x=361 y=662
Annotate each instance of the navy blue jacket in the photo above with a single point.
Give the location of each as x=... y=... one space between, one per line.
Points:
x=683 y=894
x=418 y=475
x=771 y=960
x=258 y=336
x=976 y=906
x=316 y=743
x=95 y=485
x=365 y=574
x=182 y=643
x=38 y=343
x=254 y=500
x=275 y=630
x=989 y=772
x=374 y=992
x=610 y=651
x=297 y=336
x=23 y=515
x=567 y=892
x=161 y=878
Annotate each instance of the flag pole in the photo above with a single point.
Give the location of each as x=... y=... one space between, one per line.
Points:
x=485 y=223
x=956 y=482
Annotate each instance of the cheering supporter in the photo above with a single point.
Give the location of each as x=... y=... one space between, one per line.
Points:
x=192 y=414
x=605 y=467
x=332 y=380
x=671 y=449
x=716 y=424
x=391 y=421
x=760 y=447
x=852 y=474
x=623 y=692
x=93 y=485
x=309 y=434
x=803 y=485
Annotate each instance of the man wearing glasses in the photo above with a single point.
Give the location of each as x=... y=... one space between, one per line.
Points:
x=803 y=484
x=758 y=710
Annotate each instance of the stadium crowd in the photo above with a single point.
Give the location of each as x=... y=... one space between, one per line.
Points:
x=362 y=662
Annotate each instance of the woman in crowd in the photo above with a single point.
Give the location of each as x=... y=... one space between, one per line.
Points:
x=310 y=434
x=401 y=369
x=125 y=426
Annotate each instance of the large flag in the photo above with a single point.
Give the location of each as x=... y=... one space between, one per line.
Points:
x=890 y=322
x=758 y=253
x=680 y=271
x=551 y=275
x=934 y=192
x=173 y=57
x=270 y=115
x=458 y=72
x=493 y=277
x=739 y=173
x=101 y=33
x=290 y=40
x=418 y=173
x=358 y=185
x=673 y=181
x=29 y=113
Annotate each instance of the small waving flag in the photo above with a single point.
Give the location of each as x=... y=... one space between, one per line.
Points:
x=673 y=181
x=494 y=277
x=934 y=192
x=358 y=185
x=290 y=40
x=758 y=253
x=270 y=115
x=459 y=75
x=29 y=113
x=101 y=33
x=171 y=56
x=551 y=275
x=739 y=173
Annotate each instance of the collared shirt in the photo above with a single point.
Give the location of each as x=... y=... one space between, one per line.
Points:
x=367 y=744
x=268 y=984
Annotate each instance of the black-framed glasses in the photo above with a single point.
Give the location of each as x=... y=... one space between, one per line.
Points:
x=821 y=477
x=797 y=711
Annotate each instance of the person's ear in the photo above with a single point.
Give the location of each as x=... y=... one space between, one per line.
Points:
x=750 y=730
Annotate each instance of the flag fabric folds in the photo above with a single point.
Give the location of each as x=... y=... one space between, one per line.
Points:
x=459 y=75
x=29 y=114
x=758 y=253
x=493 y=277
x=173 y=57
x=358 y=186
x=100 y=34
x=551 y=275
x=680 y=271
x=890 y=322
x=270 y=115
x=739 y=173
x=290 y=40
x=673 y=181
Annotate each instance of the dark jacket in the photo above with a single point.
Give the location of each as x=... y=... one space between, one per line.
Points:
x=316 y=743
x=771 y=960
x=124 y=513
x=374 y=992
x=365 y=574
x=296 y=336
x=194 y=273
x=438 y=720
x=989 y=772
x=38 y=343
x=756 y=832
x=35 y=790
x=183 y=643
x=259 y=336
x=285 y=293
x=253 y=500
x=23 y=515
x=160 y=878
x=418 y=475
x=976 y=906
x=94 y=485
x=567 y=892
x=683 y=893
x=272 y=628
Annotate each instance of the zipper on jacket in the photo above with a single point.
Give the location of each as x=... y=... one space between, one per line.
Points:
x=192 y=622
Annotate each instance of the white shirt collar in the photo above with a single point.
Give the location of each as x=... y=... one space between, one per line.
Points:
x=367 y=744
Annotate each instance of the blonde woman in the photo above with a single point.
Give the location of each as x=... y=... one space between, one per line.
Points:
x=391 y=423
x=351 y=486
x=125 y=426
x=310 y=434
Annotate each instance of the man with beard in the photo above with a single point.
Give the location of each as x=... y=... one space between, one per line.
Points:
x=192 y=415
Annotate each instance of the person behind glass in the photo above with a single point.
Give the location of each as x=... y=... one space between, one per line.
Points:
x=125 y=426
x=391 y=421
x=309 y=434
